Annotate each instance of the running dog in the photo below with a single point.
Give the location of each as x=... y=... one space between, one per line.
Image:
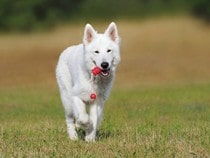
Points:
x=85 y=74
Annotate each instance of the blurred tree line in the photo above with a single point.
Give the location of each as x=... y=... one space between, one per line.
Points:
x=27 y=15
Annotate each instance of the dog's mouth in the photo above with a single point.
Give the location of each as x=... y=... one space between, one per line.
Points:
x=105 y=72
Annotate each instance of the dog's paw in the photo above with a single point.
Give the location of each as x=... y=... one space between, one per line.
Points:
x=85 y=122
x=90 y=138
x=90 y=135
x=73 y=135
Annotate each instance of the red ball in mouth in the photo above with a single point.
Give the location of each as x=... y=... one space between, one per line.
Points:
x=96 y=70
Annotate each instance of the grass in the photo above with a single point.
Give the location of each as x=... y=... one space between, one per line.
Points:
x=159 y=107
x=154 y=122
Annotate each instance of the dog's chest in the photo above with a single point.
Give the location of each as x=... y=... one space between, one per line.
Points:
x=85 y=88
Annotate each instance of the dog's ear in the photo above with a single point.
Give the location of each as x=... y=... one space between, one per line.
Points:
x=89 y=34
x=112 y=32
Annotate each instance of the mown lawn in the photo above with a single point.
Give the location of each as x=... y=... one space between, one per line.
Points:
x=142 y=122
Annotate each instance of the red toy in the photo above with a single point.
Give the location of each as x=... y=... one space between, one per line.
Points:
x=93 y=96
x=96 y=70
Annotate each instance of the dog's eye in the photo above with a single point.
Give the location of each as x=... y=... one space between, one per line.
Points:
x=97 y=52
x=109 y=50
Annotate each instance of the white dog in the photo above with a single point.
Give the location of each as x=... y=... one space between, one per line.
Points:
x=85 y=74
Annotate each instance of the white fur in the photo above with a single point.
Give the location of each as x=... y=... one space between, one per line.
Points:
x=76 y=82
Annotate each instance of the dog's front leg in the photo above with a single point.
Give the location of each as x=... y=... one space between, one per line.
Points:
x=91 y=132
x=80 y=113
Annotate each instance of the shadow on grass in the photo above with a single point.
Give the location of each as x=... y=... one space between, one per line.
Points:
x=100 y=136
x=106 y=133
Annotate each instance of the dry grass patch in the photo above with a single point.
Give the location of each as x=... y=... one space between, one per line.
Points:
x=155 y=51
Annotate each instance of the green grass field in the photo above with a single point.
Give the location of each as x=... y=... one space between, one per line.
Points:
x=159 y=106
x=154 y=122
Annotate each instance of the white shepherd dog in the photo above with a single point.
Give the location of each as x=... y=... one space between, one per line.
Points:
x=85 y=74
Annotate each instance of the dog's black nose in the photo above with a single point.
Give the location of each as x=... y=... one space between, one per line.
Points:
x=104 y=65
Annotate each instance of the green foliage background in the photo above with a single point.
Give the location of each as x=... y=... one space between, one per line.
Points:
x=26 y=15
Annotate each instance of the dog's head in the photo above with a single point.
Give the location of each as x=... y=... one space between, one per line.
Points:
x=102 y=50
